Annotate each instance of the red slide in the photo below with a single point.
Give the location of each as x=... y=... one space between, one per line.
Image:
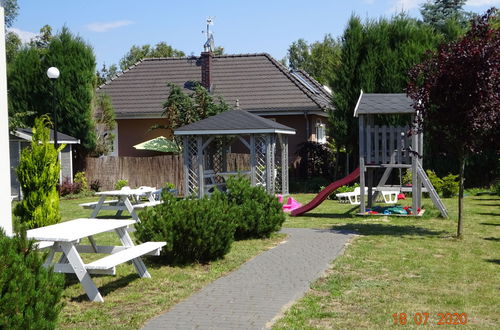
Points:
x=323 y=194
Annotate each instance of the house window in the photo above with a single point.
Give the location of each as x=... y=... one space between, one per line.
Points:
x=320 y=132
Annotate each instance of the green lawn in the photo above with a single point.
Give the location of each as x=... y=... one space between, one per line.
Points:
x=405 y=265
x=129 y=300
x=394 y=265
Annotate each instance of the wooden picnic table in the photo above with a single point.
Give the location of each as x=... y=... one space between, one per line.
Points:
x=66 y=237
x=125 y=200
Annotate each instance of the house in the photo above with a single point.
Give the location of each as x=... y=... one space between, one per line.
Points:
x=253 y=82
x=21 y=138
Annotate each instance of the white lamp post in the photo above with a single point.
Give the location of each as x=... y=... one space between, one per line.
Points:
x=53 y=74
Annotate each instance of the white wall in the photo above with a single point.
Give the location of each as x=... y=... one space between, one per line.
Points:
x=5 y=203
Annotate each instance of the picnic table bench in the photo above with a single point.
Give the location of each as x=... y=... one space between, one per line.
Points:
x=65 y=237
x=127 y=201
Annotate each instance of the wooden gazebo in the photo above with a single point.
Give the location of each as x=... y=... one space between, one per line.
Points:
x=206 y=144
x=383 y=147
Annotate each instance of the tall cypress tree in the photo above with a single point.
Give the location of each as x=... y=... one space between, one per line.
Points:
x=376 y=57
x=38 y=174
x=74 y=88
x=31 y=90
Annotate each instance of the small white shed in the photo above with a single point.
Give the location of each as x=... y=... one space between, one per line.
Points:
x=21 y=138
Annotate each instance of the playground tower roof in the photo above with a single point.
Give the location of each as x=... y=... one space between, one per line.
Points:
x=370 y=104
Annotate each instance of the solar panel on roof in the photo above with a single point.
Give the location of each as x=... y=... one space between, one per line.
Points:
x=304 y=82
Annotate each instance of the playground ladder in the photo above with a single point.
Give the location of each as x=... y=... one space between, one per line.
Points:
x=432 y=192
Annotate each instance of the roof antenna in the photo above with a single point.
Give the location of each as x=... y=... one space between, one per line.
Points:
x=209 y=45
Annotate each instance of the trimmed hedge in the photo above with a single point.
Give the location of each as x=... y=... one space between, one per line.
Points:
x=196 y=230
x=29 y=293
x=257 y=213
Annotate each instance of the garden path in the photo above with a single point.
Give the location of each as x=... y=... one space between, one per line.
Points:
x=256 y=294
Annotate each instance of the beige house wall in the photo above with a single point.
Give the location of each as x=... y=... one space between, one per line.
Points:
x=135 y=131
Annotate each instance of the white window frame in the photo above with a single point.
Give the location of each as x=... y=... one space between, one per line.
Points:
x=320 y=130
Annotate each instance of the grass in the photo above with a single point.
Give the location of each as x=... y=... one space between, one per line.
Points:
x=129 y=300
x=404 y=265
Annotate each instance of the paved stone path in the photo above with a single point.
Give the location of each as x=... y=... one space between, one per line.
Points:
x=250 y=297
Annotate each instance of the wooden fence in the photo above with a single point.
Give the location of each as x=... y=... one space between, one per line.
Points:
x=147 y=171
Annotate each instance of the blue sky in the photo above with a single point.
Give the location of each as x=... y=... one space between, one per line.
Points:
x=111 y=27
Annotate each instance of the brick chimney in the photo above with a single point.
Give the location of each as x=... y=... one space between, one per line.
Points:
x=206 y=69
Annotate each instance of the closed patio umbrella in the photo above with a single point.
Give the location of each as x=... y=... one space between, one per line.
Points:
x=161 y=144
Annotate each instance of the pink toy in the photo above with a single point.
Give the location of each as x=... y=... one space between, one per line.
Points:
x=280 y=198
x=291 y=205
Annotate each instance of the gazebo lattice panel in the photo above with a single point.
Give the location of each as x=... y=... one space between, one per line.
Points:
x=191 y=165
x=260 y=159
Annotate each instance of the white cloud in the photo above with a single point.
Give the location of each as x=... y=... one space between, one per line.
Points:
x=106 y=26
x=25 y=36
x=476 y=3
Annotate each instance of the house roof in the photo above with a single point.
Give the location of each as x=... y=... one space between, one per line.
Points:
x=259 y=83
x=234 y=122
x=27 y=134
x=369 y=104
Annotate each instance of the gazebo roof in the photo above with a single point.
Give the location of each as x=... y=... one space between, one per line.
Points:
x=370 y=104
x=234 y=122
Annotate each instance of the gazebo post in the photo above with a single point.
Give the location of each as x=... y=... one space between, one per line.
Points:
x=199 y=160
x=186 y=161
x=269 y=164
x=253 y=160
x=284 y=164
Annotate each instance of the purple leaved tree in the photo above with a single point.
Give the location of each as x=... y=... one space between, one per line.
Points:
x=456 y=91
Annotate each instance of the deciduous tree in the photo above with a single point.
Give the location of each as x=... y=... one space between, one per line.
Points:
x=320 y=59
x=457 y=92
x=183 y=109
x=137 y=53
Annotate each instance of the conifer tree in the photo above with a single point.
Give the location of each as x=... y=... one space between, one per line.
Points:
x=38 y=175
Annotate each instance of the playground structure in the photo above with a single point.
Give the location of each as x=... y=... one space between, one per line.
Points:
x=383 y=147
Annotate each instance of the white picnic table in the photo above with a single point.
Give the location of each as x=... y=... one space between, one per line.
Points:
x=125 y=200
x=66 y=237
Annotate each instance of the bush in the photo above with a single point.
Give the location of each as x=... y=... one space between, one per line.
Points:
x=343 y=189
x=407 y=177
x=450 y=185
x=120 y=184
x=29 y=293
x=38 y=175
x=194 y=229
x=437 y=183
x=497 y=188
x=68 y=188
x=257 y=213
x=95 y=185
x=82 y=180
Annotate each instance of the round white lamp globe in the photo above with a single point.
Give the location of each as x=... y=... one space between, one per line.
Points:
x=53 y=73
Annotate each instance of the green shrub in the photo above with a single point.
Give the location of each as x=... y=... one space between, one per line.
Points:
x=194 y=229
x=120 y=184
x=257 y=213
x=29 y=294
x=407 y=177
x=497 y=188
x=437 y=183
x=450 y=185
x=38 y=175
x=81 y=179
